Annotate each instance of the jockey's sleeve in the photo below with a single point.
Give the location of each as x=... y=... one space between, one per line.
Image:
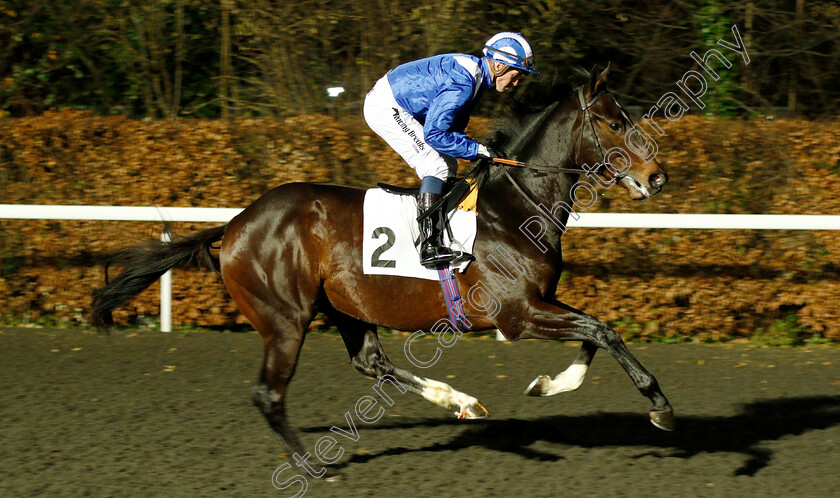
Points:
x=438 y=130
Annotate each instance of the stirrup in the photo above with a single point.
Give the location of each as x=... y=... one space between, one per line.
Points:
x=462 y=257
x=437 y=259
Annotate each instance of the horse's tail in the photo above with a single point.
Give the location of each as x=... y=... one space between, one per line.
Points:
x=145 y=263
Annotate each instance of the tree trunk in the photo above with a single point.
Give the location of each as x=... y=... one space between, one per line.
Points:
x=225 y=60
x=179 y=57
x=791 y=105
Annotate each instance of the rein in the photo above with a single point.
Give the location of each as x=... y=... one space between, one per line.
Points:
x=535 y=167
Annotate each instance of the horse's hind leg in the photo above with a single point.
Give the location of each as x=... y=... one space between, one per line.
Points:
x=282 y=325
x=368 y=358
x=269 y=393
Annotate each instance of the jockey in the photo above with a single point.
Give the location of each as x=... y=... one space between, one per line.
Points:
x=422 y=108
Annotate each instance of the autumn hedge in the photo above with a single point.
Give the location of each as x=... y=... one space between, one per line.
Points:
x=705 y=284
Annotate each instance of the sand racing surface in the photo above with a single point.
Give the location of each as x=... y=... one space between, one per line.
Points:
x=141 y=412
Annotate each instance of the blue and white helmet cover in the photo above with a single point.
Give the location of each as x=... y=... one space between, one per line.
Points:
x=511 y=49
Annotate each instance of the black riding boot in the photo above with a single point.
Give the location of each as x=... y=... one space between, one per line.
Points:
x=432 y=251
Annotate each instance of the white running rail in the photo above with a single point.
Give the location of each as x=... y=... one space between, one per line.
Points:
x=593 y=220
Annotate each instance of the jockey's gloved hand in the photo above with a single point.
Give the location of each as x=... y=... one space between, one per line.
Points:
x=485 y=152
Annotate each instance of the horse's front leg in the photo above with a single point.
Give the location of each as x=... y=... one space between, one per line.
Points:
x=554 y=320
x=567 y=380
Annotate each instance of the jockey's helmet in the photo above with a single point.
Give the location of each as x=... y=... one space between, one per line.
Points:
x=511 y=49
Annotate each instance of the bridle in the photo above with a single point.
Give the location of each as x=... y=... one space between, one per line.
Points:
x=586 y=117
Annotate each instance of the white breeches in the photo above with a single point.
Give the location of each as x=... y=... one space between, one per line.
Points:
x=404 y=133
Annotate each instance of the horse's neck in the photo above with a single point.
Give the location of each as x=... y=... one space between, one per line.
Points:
x=550 y=145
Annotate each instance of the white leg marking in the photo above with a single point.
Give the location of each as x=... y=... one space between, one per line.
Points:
x=443 y=395
x=568 y=380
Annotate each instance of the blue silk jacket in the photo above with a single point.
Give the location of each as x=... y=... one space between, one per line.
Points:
x=440 y=92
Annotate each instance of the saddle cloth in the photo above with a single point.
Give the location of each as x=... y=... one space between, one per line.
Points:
x=390 y=245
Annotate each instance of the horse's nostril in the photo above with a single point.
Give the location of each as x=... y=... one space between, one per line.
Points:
x=658 y=179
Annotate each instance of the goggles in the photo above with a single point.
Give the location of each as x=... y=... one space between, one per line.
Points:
x=527 y=63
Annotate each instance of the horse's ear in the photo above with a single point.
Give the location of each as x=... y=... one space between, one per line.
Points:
x=598 y=80
x=605 y=73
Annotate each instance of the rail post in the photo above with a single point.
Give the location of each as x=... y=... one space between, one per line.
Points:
x=166 y=294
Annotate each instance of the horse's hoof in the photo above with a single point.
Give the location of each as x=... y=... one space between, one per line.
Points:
x=539 y=387
x=474 y=411
x=663 y=420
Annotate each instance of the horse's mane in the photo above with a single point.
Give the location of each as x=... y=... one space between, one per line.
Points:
x=530 y=101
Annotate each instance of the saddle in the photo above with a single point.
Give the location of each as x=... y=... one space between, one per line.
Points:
x=461 y=193
x=456 y=190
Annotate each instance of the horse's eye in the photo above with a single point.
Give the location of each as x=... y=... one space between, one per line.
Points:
x=615 y=126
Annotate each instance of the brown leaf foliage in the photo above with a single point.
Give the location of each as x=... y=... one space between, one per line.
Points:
x=704 y=283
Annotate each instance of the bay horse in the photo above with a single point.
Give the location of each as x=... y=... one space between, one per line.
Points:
x=297 y=250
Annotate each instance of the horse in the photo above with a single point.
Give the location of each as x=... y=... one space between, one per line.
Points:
x=297 y=251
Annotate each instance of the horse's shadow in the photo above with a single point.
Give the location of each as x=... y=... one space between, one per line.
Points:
x=742 y=433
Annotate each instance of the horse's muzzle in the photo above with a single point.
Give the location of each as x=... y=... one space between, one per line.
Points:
x=657 y=180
